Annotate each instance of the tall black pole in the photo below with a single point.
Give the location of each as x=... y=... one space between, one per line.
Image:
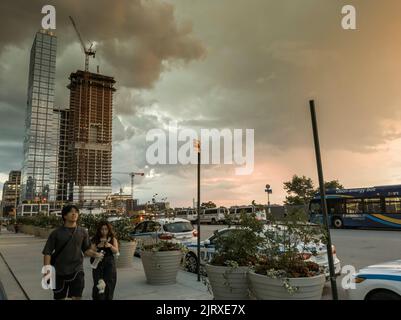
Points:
x=199 y=256
x=323 y=200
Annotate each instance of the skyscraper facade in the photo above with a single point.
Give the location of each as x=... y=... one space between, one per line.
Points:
x=39 y=169
x=90 y=130
x=62 y=119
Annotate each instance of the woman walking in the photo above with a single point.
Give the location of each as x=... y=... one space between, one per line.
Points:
x=104 y=274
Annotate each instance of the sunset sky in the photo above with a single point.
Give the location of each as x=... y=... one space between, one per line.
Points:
x=236 y=64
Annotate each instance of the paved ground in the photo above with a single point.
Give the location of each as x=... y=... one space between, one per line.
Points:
x=23 y=254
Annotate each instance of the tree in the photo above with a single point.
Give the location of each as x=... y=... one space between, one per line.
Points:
x=300 y=190
x=334 y=184
x=208 y=204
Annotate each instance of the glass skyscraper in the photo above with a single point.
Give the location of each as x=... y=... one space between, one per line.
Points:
x=39 y=171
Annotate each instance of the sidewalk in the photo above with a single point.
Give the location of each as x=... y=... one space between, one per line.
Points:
x=23 y=255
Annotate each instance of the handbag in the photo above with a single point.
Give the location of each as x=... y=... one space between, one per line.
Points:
x=56 y=254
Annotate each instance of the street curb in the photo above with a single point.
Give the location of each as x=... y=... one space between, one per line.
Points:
x=5 y=268
x=3 y=295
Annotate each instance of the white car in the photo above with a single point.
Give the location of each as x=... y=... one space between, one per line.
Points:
x=311 y=252
x=173 y=229
x=377 y=282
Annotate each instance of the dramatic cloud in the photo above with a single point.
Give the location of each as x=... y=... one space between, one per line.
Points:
x=226 y=64
x=137 y=38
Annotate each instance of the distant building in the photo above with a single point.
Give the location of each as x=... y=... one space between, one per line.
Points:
x=39 y=169
x=11 y=192
x=119 y=202
x=90 y=140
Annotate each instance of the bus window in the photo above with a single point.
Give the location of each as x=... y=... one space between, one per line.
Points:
x=353 y=206
x=393 y=205
x=373 y=205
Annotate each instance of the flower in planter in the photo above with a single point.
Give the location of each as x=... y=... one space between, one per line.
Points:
x=123 y=229
x=287 y=249
x=239 y=247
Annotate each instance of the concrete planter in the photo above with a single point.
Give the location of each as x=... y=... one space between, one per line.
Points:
x=126 y=257
x=28 y=229
x=36 y=231
x=45 y=232
x=228 y=283
x=265 y=288
x=22 y=228
x=161 y=267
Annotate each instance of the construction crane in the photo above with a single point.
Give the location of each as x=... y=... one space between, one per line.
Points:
x=132 y=175
x=88 y=51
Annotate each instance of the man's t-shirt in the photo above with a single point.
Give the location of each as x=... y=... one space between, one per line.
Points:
x=70 y=260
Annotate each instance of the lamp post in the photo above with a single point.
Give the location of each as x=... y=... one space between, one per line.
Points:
x=269 y=191
x=197 y=146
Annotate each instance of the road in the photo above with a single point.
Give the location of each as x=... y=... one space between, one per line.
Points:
x=358 y=248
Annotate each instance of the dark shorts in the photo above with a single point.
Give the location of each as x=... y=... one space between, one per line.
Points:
x=69 y=286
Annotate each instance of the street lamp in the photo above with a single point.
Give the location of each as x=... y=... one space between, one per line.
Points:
x=269 y=191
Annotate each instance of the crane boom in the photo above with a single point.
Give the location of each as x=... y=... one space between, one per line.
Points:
x=78 y=34
x=88 y=52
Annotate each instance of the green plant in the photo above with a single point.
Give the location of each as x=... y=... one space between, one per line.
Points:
x=239 y=247
x=123 y=229
x=41 y=221
x=288 y=244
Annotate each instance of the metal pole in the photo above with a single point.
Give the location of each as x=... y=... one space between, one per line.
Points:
x=323 y=200
x=132 y=186
x=16 y=199
x=199 y=256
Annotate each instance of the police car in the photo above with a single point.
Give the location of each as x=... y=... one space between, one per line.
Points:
x=169 y=229
x=311 y=252
x=377 y=282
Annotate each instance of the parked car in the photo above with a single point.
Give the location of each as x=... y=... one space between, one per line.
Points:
x=173 y=229
x=377 y=282
x=310 y=252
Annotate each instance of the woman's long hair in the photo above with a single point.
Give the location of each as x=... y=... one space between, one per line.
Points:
x=98 y=235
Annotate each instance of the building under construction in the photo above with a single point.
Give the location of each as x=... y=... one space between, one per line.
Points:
x=90 y=138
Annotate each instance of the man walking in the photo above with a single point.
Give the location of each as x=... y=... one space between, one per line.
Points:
x=64 y=250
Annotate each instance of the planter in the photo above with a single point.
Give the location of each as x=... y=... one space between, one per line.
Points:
x=28 y=229
x=265 y=288
x=126 y=257
x=161 y=267
x=228 y=283
x=22 y=228
x=36 y=231
x=45 y=232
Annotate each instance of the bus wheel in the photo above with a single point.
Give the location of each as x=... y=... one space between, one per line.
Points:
x=337 y=223
x=213 y=221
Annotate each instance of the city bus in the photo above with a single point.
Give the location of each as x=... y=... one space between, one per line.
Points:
x=375 y=207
